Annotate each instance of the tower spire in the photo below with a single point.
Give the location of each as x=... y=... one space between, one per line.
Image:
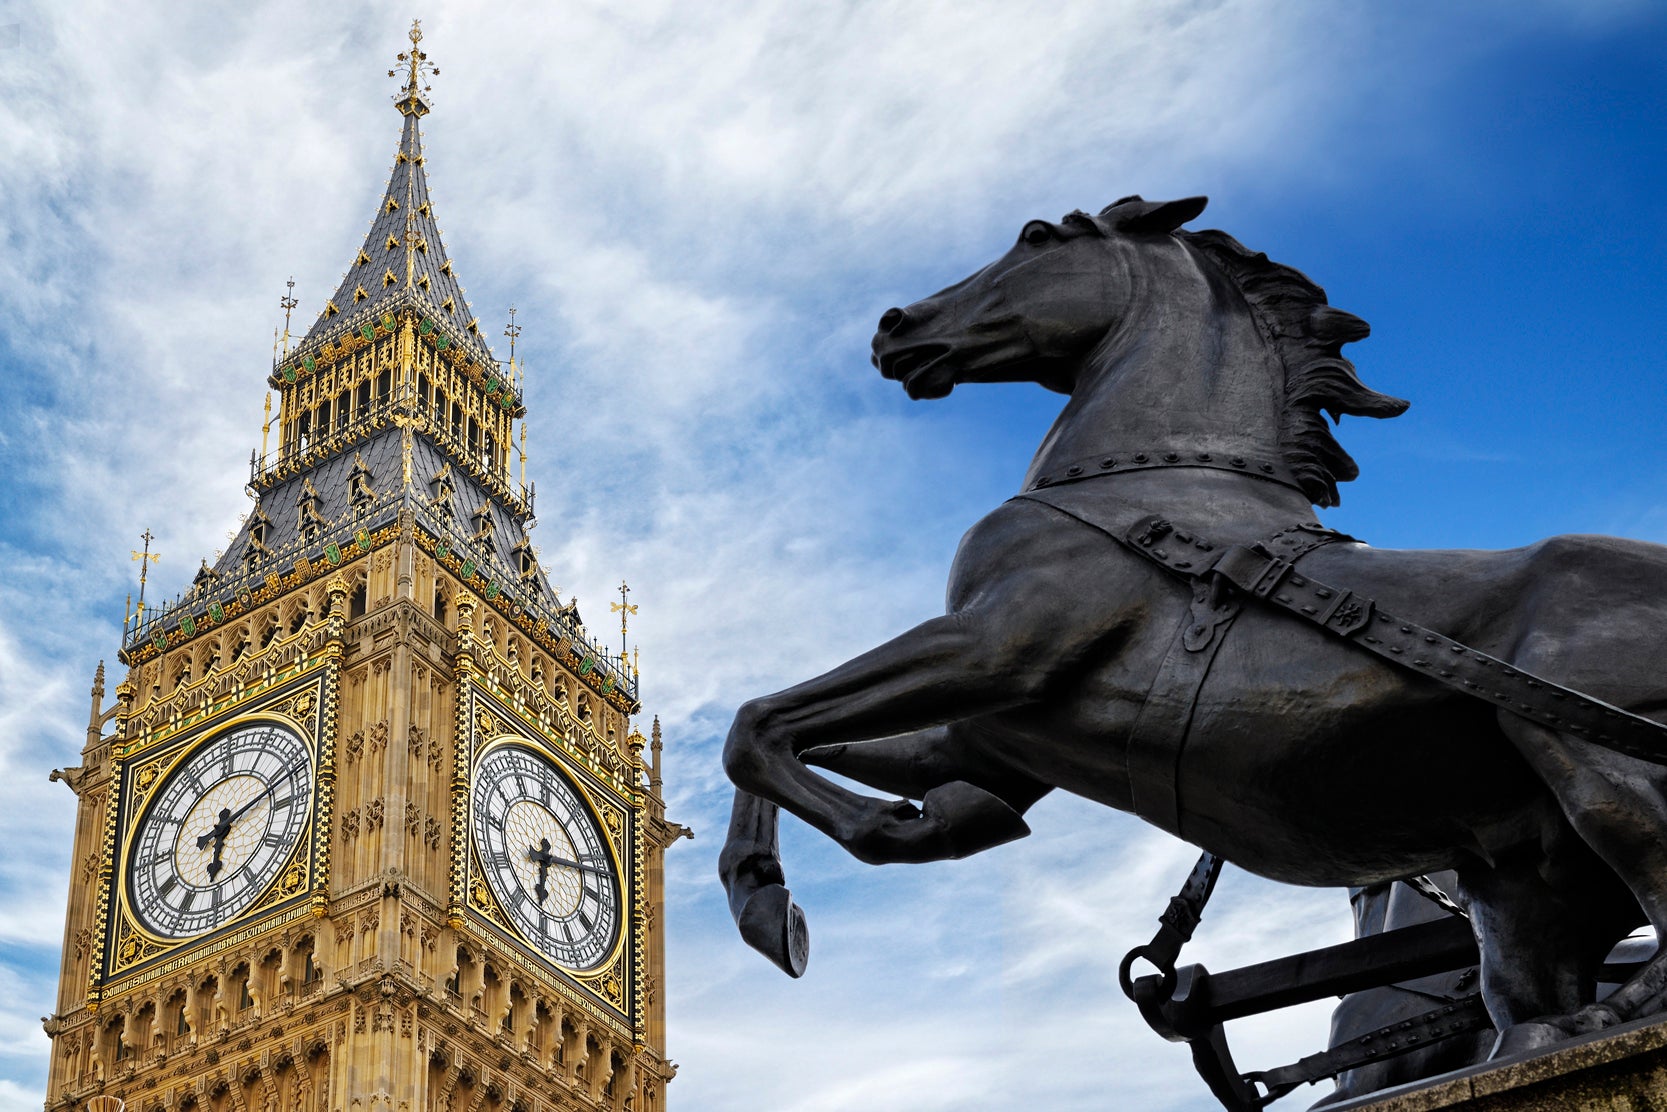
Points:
x=403 y=261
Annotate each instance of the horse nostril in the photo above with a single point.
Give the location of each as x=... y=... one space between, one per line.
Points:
x=891 y=319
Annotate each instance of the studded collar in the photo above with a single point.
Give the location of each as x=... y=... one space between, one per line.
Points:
x=1117 y=463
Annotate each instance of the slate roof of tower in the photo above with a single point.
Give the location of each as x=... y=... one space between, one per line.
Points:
x=403 y=258
x=382 y=455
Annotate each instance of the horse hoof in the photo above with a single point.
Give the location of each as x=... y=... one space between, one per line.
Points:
x=1595 y=1017
x=1526 y=1038
x=773 y=924
x=972 y=819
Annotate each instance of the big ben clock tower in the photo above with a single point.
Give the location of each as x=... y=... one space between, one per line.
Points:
x=368 y=826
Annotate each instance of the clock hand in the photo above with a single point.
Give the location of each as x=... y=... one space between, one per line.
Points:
x=545 y=859
x=597 y=869
x=270 y=788
x=217 y=833
x=542 y=856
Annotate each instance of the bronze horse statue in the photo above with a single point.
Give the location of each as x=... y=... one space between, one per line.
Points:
x=1199 y=375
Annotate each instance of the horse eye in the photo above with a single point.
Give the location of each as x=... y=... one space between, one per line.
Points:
x=1036 y=233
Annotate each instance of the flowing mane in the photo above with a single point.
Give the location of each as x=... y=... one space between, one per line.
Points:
x=1309 y=335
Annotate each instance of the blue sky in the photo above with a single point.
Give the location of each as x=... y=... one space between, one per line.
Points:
x=700 y=211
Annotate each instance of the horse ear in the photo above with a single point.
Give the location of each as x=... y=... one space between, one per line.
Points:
x=1134 y=215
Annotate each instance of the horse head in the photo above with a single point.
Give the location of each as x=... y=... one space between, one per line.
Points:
x=1163 y=337
x=1034 y=314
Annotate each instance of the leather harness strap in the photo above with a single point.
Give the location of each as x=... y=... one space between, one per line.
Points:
x=1152 y=757
x=1260 y=571
x=1158 y=737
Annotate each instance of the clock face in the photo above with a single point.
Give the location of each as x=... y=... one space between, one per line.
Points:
x=219 y=829
x=546 y=857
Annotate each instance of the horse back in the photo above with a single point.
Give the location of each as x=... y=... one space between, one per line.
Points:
x=1302 y=738
x=1589 y=612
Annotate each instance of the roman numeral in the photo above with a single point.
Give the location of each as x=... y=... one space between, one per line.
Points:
x=276 y=839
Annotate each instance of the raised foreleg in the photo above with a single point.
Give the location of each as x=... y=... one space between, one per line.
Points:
x=761 y=756
x=911 y=766
x=1016 y=622
x=946 y=669
x=750 y=867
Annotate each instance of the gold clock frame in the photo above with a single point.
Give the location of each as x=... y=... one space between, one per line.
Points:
x=615 y=984
x=610 y=839
x=131 y=955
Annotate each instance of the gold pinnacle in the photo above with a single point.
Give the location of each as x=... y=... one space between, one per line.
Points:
x=416 y=66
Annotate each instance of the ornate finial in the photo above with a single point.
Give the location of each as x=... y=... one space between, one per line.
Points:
x=417 y=68
x=624 y=610
x=146 y=559
x=512 y=332
x=654 y=757
x=266 y=424
x=288 y=302
x=523 y=455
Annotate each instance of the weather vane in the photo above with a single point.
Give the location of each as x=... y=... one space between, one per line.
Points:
x=512 y=332
x=288 y=303
x=146 y=559
x=624 y=610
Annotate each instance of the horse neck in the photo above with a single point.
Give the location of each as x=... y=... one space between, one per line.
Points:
x=1185 y=370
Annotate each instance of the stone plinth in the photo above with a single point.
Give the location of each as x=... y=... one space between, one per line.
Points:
x=1620 y=1070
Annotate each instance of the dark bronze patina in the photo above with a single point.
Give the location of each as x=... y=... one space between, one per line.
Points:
x=1159 y=623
